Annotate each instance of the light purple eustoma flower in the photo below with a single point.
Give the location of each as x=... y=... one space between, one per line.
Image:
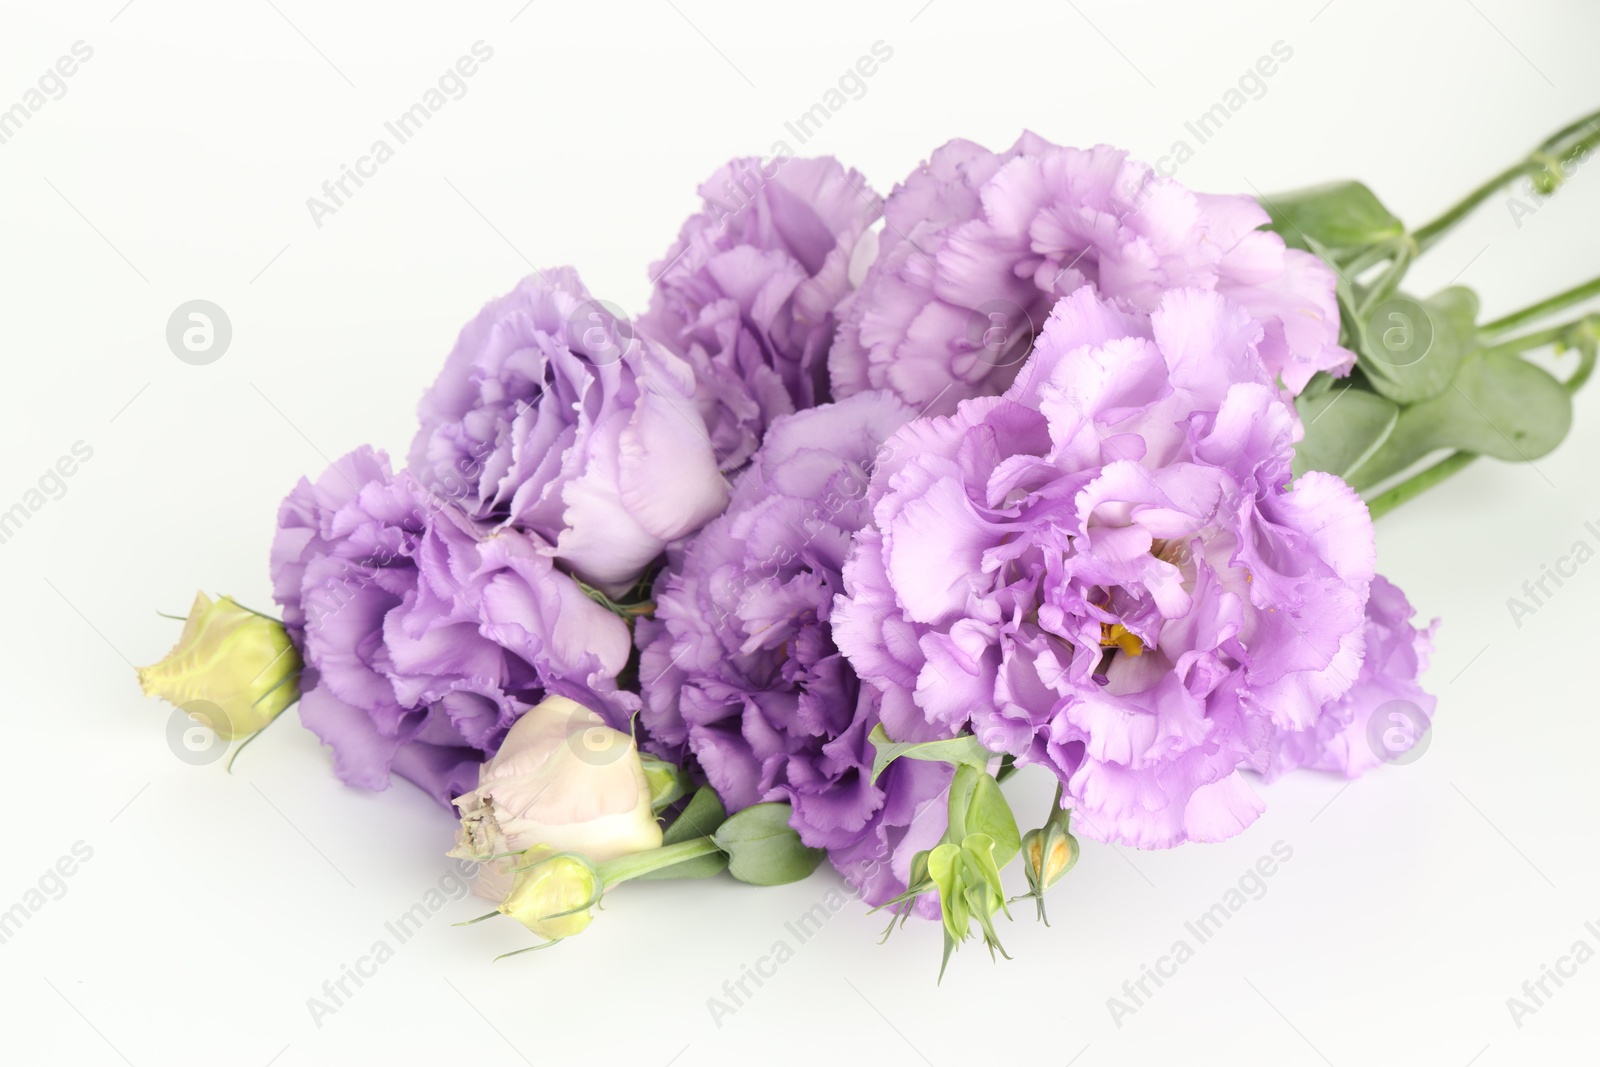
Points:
x=747 y=292
x=1102 y=570
x=1343 y=738
x=424 y=637
x=551 y=417
x=739 y=667
x=978 y=246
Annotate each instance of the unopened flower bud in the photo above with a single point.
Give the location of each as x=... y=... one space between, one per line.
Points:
x=668 y=782
x=553 y=897
x=1048 y=853
x=564 y=779
x=238 y=665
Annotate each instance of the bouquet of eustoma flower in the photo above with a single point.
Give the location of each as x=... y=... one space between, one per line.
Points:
x=1042 y=460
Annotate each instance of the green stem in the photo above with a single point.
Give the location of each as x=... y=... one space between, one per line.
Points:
x=1058 y=816
x=1529 y=341
x=1356 y=267
x=614 y=872
x=1557 y=148
x=1577 y=294
x=1389 y=281
x=1588 y=353
x=1571 y=333
x=1591 y=120
x=1428 y=235
x=1539 y=160
x=629 y=611
x=1427 y=478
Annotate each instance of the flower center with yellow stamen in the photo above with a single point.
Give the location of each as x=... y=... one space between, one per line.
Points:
x=1116 y=635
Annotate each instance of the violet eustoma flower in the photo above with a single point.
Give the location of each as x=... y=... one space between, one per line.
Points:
x=978 y=246
x=1102 y=570
x=423 y=639
x=739 y=666
x=550 y=417
x=747 y=292
x=1388 y=686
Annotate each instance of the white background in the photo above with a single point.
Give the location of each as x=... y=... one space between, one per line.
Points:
x=177 y=166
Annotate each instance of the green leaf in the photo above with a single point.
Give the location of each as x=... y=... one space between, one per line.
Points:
x=1343 y=428
x=1412 y=349
x=963 y=749
x=988 y=815
x=700 y=818
x=763 y=849
x=1499 y=405
x=977 y=851
x=949 y=946
x=1344 y=217
x=984 y=892
x=944 y=868
x=918 y=884
x=1320 y=383
x=919 y=871
x=962 y=786
x=1344 y=293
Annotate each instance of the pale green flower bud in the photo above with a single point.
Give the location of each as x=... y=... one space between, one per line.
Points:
x=668 y=782
x=1049 y=852
x=555 y=896
x=232 y=669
